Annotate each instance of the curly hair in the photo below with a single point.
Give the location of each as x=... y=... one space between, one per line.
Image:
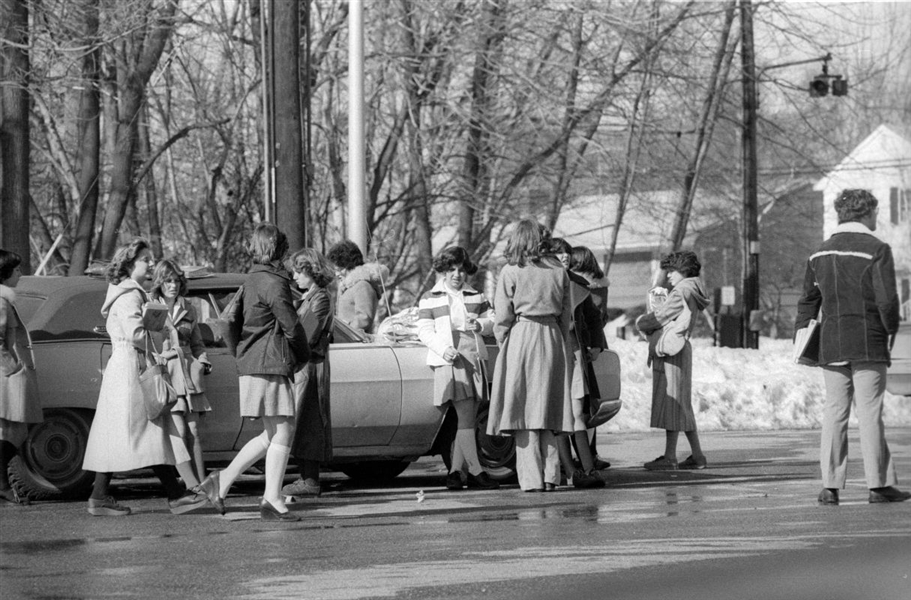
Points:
x=122 y=264
x=527 y=242
x=854 y=205
x=9 y=260
x=314 y=264
x=454 y=256
x=583 y=261
x=164 y=272
x=684 y=262
x=345 y=255
x=268 y=244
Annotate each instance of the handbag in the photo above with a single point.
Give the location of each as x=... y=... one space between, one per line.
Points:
x=158 y=395
x=19 y=390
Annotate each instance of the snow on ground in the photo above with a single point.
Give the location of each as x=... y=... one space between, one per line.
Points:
x=738 y=389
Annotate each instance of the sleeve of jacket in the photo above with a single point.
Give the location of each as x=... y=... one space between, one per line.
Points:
x=365 y=301
x=594 y=326
x=671 y=309
x=810 y=300
x=884 y=289
x=283 y=309
x=129 y=307
x=427 y=332
x=486 y=318
x=197 y=347
x=8 y=362
x=503 y=305
x=315 y=319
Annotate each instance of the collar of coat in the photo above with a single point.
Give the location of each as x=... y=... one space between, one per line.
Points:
x=852 y=227
x=180 y=307
x=440 y=289
x=274 y=268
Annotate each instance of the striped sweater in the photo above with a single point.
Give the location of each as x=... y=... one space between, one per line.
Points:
x=435 y=326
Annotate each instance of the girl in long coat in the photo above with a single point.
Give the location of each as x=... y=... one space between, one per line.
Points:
x=312 y=444
x=15 y=356
x=451 y=319
x=672 y=374
x=272 y=347
x=532 y=378
x=122 y=438
x=182 y=346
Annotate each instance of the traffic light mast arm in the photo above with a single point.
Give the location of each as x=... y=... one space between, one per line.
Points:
x=825 y=63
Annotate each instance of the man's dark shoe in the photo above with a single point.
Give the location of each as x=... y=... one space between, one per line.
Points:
x=828 y=496
x=888 y=494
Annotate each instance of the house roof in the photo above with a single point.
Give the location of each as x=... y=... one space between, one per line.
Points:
x=883 y=150
x=648 y=221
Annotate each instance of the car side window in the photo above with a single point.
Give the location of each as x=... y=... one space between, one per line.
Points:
x=78 y=316
x=208 y=305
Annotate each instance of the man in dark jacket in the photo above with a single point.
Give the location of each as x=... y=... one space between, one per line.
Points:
x=850 y=288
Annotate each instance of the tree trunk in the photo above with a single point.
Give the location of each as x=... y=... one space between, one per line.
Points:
x=147 y=191
x=474 y=172
x=14 y=131
x=88 y=142
x=710 y=106
x=133 y=73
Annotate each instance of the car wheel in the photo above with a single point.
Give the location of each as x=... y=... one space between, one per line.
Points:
x=374 y=471
x=497 y=453
x=49 y=463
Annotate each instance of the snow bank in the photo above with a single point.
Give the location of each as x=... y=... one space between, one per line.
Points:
x=737 y=389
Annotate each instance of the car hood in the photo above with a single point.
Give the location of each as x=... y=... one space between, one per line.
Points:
x=116 y=291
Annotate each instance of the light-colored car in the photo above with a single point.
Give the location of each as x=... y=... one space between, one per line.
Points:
x=898 y=377
x=383 y=415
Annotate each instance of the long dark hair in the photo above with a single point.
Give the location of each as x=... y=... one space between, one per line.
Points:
x=9 y=260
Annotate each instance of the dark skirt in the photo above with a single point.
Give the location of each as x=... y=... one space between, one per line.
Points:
x=313 y=433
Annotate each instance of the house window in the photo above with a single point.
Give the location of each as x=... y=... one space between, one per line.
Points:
x=899 y=205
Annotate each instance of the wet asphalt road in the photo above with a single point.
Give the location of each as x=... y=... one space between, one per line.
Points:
x=747 y=527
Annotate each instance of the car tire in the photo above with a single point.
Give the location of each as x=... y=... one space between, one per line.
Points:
x=49 y=463
x=374 y=471
x=497 y=453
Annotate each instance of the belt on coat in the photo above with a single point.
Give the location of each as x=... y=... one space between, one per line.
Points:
x=542 y=319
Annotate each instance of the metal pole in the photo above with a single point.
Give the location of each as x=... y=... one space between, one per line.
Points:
x=265 y=54
x=357 y=157
x=750 y=301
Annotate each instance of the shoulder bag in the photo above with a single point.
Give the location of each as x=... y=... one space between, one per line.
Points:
x=158 y=395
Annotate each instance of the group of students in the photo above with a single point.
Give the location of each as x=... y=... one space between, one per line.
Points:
x=548 y=318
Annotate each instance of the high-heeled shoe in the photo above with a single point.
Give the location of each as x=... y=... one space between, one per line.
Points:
x=267 y=512
x=210 y=486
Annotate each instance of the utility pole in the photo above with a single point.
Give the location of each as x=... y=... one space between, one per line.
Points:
x=290 y=201
x=750 y=296
x=357 y=156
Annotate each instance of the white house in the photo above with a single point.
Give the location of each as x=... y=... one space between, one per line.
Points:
x=882 y=164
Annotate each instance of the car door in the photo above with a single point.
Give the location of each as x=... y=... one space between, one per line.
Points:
x=221 y=427
x=366 y=394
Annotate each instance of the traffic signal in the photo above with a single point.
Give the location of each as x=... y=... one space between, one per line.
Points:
x=819 y=87
x=840 y=87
